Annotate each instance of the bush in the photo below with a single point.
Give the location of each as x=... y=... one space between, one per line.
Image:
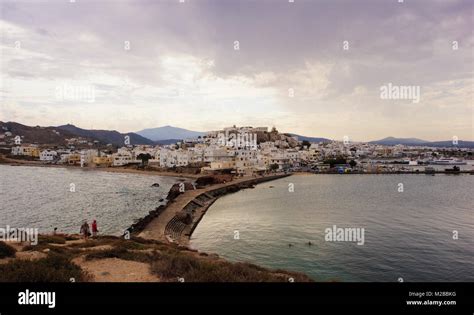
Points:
x=51 y=239
x=119 y=252
x=127 y=244
x=193 y=269
x=173 y=265
x=116 y=252
x=6 y=250
x=54 y=268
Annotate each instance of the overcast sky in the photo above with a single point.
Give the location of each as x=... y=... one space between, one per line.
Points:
x=130 y=65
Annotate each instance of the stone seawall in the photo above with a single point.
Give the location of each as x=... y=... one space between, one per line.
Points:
x=176 y=221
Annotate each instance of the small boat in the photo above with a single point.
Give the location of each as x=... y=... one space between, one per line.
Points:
x=449 y=161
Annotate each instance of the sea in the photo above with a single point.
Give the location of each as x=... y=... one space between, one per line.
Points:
x=47 y=197
x=416 y=228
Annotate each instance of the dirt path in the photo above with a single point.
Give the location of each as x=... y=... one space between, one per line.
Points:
x=117 y=270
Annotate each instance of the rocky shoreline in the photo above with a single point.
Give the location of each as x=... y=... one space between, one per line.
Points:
x=141 y=224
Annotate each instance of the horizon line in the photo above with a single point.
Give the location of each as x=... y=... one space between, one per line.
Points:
x=299 y=135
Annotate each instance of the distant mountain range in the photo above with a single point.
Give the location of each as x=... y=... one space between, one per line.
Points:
x=169 y=132
x=310 y=139
x=106 y=136
x=395 y=141
x=169 y=135
x=417 y=142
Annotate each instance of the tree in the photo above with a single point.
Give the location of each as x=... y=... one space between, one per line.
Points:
x=306 y=143
x=144 y=157
x=273 y=167
x=352 y=163
x=338 y=160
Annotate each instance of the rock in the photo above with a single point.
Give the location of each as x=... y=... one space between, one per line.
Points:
x=161 y=200
x=155 y=185
x=213 y=179
x=184 y=217
x=178 y=189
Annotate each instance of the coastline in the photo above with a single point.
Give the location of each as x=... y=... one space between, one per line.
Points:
x=126 y=170
x=123 y=170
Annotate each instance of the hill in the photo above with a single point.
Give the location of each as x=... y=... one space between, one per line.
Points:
x=37 y=135
x=106 y=136
x=310 y=139
x=419 y=142
x=168 y=133
x=395 y=141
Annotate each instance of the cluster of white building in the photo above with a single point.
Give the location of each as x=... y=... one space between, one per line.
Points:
x=233 y=149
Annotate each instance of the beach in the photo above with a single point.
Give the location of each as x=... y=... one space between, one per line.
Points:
x=126 y=170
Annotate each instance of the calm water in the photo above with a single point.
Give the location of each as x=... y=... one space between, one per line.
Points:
x=40 y=197
x=408 y=234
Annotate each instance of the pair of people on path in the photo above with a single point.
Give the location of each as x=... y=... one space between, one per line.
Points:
x=85 y=230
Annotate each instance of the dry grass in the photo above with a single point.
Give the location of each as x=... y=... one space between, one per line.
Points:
x=121 y=253
x=167 y=261
x=51 y=239
x=193 y=269
x=53 y=268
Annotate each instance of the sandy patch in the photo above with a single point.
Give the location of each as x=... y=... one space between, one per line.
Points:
x=30 y=255
x=117 y=270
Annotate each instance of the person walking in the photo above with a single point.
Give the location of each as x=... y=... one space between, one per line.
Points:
x=94 y=228
x=85 y=231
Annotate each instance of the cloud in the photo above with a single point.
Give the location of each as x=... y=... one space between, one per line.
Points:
x=170 y=63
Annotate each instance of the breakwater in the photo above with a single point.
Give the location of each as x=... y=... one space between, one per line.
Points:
x=176 y=221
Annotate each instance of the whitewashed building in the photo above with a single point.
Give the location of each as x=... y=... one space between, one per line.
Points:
x=121 y=159
x=48 y=155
